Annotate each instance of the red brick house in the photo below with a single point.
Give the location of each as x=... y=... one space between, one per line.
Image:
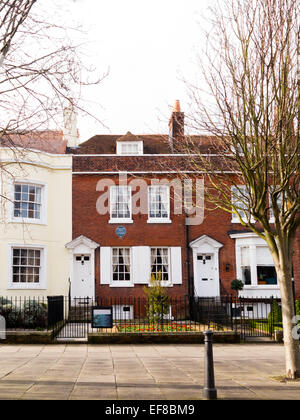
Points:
x=129 y=222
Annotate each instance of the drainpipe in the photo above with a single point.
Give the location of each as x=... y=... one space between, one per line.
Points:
x=190 y=282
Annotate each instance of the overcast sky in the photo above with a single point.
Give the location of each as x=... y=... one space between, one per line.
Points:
x=146 y=46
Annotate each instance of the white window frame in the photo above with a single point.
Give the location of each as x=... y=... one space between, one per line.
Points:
x=120 y=219
x=159 y=219
x=163 y=283
x=43 y=268
x=253 y=242
x=121 y=283
x=121 y=145
x=271 y=213
x=44 y=204
x=119 y=313
x=234 y=218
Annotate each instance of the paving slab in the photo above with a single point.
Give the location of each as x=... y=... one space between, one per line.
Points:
x=141 y=372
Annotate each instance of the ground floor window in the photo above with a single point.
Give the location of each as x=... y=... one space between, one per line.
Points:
x=265 y=270
x=266 y=275
x=121 y=264
x=160 y=263
x=26 y=265
x=245 y=265
x=255 y=266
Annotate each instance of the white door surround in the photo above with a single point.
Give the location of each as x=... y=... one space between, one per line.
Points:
x=206 y=266
x=82 y=266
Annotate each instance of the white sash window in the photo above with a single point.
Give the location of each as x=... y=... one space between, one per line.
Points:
x=120 y=204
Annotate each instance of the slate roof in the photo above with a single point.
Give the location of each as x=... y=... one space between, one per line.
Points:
x=153 y=144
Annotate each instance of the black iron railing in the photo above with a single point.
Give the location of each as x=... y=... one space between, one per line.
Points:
x=72 y=317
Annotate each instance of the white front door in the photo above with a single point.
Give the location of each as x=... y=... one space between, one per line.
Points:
x=206 y=281
x=82 y=284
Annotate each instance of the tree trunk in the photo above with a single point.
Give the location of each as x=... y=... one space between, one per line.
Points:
x=291 y=344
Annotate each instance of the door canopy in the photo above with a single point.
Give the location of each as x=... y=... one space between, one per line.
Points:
x=205 y=244
x=82 y=243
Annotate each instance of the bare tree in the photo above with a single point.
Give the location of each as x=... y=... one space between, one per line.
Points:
x=13 y=14
x=40 y=69
x=251 y=109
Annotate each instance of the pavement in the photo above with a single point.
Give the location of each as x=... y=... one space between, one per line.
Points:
x=141 y=372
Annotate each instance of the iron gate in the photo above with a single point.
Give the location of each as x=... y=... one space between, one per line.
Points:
x=254 y=317
x=249 y=317
x=76 y=320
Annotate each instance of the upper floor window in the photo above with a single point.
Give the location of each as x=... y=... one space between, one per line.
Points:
x=130 y=148
x=120 y=203
x=27 y=203
x=159 y=203
x=239 y=197
x=279 y=201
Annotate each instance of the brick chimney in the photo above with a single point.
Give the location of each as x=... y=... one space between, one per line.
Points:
x=176 y=126
x=70 y=132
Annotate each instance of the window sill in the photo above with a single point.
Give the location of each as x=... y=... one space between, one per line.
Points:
x=236 y=221
x=27 y=287
x=27 y=221
x=166 y=284
x=159 y=221
x=261 y=286
x=121 y=284
x=120 y=221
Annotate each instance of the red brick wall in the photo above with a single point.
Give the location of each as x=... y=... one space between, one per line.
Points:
x=296 y=259
x=216 y=224
x=87 y=222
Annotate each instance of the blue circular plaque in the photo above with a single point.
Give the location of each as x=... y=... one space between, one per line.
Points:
x=121 y=231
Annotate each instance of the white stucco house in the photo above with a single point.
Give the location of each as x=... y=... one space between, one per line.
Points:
x=35 y=214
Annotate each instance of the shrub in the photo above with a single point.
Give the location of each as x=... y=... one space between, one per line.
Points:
x=158 y=301
x=275 y=314
x=297 y=304
x=35 y=314
x=237 y=285
x=32 y=314
x=4 y=301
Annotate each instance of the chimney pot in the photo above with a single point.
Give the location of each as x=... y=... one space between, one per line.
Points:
x=176 y=127
x=176 y=107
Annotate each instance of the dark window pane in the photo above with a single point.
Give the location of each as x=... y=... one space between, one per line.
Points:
x=266 y=275
x=246 y=275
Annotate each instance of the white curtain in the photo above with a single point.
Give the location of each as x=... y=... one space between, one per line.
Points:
x=245 y=256
x=125 y=253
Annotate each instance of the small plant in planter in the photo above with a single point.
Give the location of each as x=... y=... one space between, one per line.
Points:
x=237 y=285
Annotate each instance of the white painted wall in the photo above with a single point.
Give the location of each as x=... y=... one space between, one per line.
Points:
x=55 y=172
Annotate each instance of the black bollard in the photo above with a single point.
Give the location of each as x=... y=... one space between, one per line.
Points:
x=209 y=390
